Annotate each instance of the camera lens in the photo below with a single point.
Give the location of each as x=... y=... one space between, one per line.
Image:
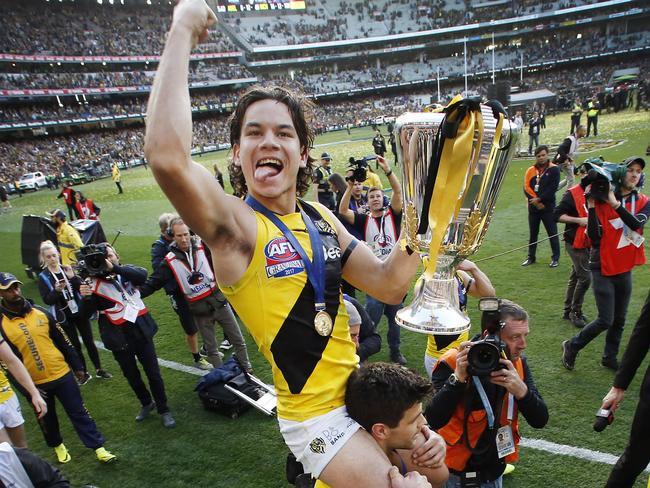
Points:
x=483 y=357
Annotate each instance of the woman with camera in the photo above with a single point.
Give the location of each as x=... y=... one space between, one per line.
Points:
x=615 y=227
x=59 y=288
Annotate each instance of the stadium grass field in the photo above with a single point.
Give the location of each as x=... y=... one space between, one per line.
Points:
x=208 y=450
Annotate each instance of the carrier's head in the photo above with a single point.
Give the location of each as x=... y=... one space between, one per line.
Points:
x=386 y=400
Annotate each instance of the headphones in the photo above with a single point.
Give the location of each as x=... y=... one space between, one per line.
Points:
x=170 y=227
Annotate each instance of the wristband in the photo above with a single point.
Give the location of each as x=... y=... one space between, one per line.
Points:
x=389 y=173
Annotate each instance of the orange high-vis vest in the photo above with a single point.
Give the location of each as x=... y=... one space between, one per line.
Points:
x=581 y=240
x=457 y=451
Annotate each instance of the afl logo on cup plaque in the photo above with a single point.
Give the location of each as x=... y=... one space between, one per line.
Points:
x=282 y=259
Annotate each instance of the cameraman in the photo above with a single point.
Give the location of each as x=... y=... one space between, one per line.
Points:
x=615 y=227
x=380 y=232
x=127 y=329
x=474 y=449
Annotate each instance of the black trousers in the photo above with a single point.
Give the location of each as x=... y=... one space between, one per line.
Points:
x=67 y=392
x=612 y=294
x=546 y=217
x=76 y=325
x=575 y=122
x=142 y=349
x=637 y=452
x=592 y=121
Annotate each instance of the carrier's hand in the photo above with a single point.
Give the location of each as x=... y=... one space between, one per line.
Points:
x=411 y=480
x=109 y=265
x=430 y=449
x=509 y=379
x=613 y=399
x=196 y=16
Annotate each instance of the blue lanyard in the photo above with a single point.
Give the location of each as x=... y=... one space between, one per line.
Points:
x=484 y=400
x=316 y=268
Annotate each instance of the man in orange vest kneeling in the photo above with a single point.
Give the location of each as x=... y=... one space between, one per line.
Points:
x=492 y=381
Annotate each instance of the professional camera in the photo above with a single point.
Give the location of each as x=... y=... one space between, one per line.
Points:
x=91 y=261
x=359 y=168
x=602 y=177
x=484 y=355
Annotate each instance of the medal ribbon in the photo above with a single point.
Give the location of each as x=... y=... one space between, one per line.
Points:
x=316 y=268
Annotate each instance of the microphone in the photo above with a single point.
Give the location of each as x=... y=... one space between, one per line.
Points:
x=604 y=417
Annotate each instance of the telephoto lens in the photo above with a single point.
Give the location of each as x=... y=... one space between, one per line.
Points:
x=604 y=417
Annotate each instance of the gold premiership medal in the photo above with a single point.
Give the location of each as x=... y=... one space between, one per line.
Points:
x=323 y=323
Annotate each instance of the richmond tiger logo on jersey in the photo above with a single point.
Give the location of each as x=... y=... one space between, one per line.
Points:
x=282 y=259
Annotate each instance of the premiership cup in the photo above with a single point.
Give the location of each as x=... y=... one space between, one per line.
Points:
x=453 y=165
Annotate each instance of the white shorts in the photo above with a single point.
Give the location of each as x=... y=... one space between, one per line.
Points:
x=429 y=363
x=10 y=415
x=316 y=441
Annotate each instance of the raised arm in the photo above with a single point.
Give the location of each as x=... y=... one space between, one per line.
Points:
x=345 y=212
x=221 y=220
x=396 y=197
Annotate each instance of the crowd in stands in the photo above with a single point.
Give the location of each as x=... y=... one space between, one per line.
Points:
x=88 y=29
x=316 y=80
x=335 y=20
x=71 y=153
x=80 y=108
x=202 y=72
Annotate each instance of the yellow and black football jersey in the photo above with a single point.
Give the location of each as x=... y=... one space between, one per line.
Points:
x=275 y=301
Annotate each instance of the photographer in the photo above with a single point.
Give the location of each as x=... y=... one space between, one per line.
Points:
x=125 y=325
x=637 y=452
x=379 y=144
x=59 y=288
x=159 y=250
x=475 y=452
x=380 y=231
x=615 y=227
x=188 y=264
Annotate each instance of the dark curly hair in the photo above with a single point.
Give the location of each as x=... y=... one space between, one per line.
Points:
x=301 y=111
x=380 y=393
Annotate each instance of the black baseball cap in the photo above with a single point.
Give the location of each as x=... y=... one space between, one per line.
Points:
x=635 y=159
x=7 y=279
x=325 y=156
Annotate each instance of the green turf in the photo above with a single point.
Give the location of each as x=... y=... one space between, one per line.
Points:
x=208 y=450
